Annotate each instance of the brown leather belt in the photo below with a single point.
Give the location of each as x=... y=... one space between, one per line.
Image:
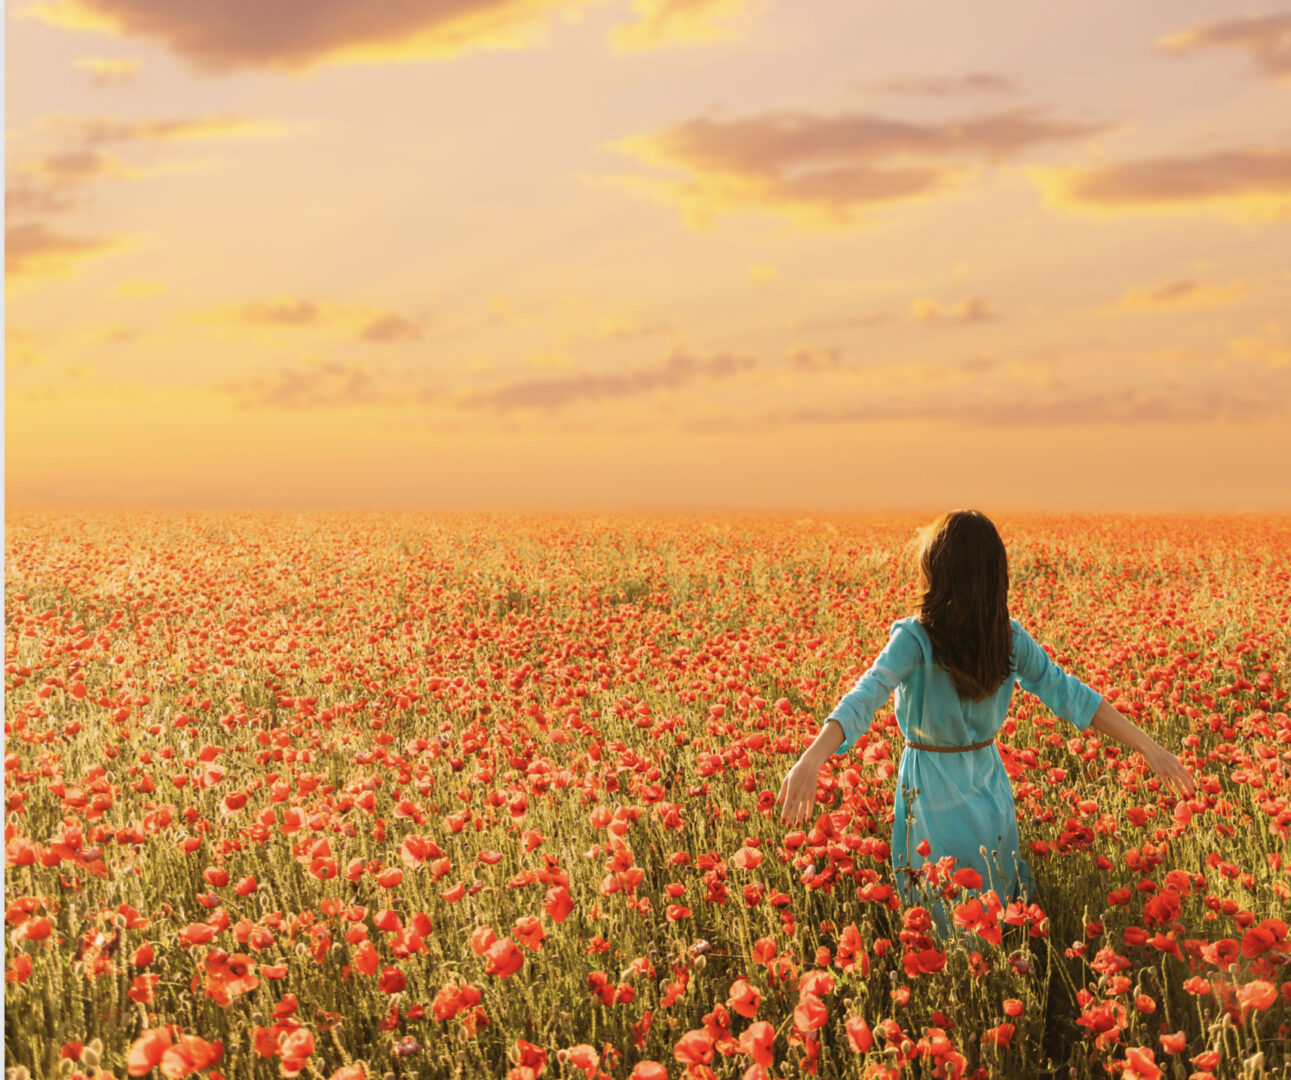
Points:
x=948 y=749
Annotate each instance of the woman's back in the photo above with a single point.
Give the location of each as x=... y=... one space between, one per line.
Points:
x=930 y=710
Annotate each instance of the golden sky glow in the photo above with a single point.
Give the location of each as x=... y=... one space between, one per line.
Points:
x=675 y=253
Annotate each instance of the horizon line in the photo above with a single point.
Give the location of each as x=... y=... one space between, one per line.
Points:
x=628 y=509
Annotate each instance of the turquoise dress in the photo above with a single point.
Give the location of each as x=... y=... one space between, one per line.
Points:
x=964 y=800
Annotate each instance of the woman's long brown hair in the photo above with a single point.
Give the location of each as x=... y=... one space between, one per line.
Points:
x=964 y=579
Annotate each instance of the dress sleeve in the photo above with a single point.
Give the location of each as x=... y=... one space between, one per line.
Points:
x=855 y=712
x=1064 y=695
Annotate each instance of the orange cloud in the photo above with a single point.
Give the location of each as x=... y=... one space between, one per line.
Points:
x=1246 y=185
x=98 y=129
x=281 y=312
x=300 y=35
x=390 y=327
x=312 y=386
x=106 y=71
x=664 y=22
x=805 y=359
x=295 y=313
x=843 y=322
x=1269 y=345
x=137 y=287
x=76 y=166
x=47 y=184
x=680 y=368
x=25 y=197
x=36 y=250
x=1184 y=294
x=943 y=86
x=20 y=347
x=1069 y=406
x=612 y=328
x=972 y=310
x=1267 y=38
x=824 y=169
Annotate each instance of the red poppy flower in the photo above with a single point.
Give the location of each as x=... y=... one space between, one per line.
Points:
x=744 y=999
x=859 y=1036
x=392 y=981
x=504 y=958
x=558 y=903
x=145 y=1052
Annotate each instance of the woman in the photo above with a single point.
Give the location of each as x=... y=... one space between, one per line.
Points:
x=953 y=668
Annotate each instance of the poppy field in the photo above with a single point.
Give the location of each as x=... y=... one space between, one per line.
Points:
x=363 y=795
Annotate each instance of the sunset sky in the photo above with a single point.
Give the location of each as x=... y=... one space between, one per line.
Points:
x=827 y=254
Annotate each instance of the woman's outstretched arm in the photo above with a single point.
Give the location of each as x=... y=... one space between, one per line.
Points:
x=855 y=712
x=1110 y=722
x=798 y=791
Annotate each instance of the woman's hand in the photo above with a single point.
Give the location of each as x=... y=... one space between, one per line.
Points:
x=1170 y=769
x=798 y=793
